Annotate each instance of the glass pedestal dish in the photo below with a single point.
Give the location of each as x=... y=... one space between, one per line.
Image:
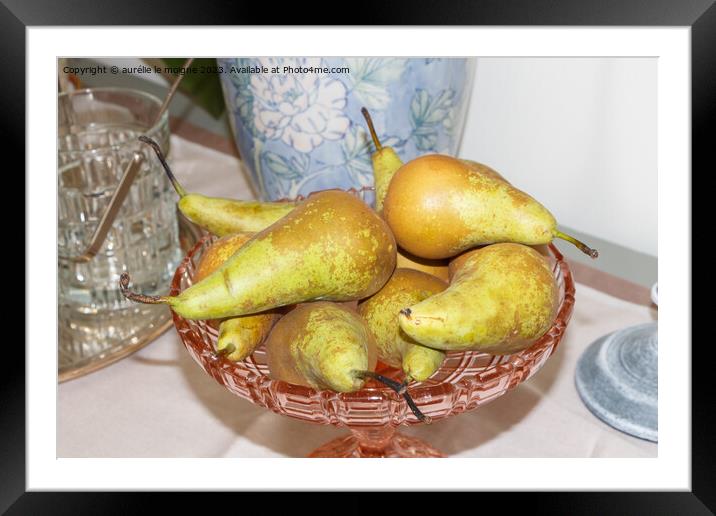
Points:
x=465 y=381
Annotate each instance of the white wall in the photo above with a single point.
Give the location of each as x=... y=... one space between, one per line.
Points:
x=579 y=135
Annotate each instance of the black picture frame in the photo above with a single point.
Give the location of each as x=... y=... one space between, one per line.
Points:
x=700 y=15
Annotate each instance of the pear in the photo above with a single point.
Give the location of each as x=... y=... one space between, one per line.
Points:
x=405 y=287
x=502 y=298
x=222 y=216
x=218 y=252
x=326 y=345
x=483 y=169
x=238 y=336
x=215 y=256
x=456 y=263
x=321 y=345
x=438 y=268
x=438 y=206
x=331 y=247
x=385 y=164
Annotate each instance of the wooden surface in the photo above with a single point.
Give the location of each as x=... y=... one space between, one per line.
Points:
x=610 y=284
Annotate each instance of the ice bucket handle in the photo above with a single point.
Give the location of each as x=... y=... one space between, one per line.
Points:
x=115 y=203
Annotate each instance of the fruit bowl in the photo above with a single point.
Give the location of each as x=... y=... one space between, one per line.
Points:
x=465 y=380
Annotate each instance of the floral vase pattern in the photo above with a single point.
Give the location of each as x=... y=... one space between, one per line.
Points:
x=302 y=132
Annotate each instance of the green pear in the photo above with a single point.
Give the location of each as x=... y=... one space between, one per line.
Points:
x=456 y=263
x=326 y=345
x=405 y=287
x=222 y=216
x=321 y=345
x=483 y=169
x=218 y=253
x=438 y=268
x=385 y=163
x=331 y=247
x=238 y=336
x=502 y=298
x=439 y=206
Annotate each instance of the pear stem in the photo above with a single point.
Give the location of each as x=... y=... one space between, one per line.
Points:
x=371 y=128
x=580 y=245
x=158 y=151
x=400 y=388
x=139 y=298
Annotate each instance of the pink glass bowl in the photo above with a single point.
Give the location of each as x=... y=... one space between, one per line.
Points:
x=465 y=381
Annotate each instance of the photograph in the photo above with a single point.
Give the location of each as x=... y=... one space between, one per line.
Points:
x=357 y=257
x=271 y=250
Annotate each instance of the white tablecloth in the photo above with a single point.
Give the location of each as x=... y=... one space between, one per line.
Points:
x=159 y=403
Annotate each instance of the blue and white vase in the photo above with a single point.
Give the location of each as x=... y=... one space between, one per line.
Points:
x=302 y=132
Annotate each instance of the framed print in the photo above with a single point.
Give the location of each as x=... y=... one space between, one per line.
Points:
x=598 y=111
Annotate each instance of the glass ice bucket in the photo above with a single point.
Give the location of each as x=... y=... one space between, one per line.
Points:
x=97 y=140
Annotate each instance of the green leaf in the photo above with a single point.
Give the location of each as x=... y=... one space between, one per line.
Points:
x=440 y=107
x=360 y=172
x=426 y=140
x=376 y=70
x=370 y=77
x=356 y=143
x=280 y=166
x=300 y=163
x=203 y=88
x=245 y=106
x=390 y=141
x=419 y=107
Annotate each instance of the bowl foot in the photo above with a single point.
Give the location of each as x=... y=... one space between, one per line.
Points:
x=399 y=446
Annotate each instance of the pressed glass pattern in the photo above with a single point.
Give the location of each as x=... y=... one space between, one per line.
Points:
x=465 y=380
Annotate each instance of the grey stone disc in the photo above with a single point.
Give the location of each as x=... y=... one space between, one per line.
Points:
x=617 y=379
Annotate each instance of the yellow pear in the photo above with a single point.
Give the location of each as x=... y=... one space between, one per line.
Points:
x=219 y=215
x=218 y=252
x=456 y=263
x=331 y=247
x=502 y=298
x=223 y=217
x=321 y=345
x=439 y=206
x=438 y=268
x=405 y=287
x=385 y=163
x=238 y=336
x=483 y=169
